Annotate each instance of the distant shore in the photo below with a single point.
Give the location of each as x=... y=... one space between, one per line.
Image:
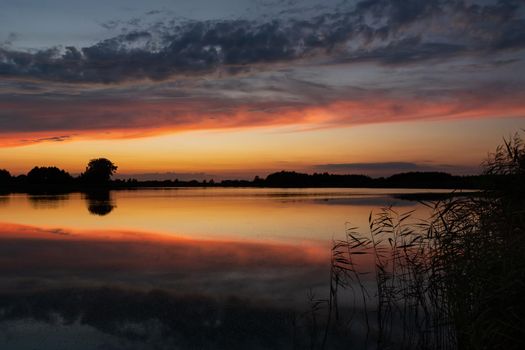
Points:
x=282 y=179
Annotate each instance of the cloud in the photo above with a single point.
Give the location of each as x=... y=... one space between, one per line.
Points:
x=369 y=63
x=375 y=30
x=406 y=50
x=48 y=139
x=11 y=37
x=26 y=119
x=372 y=166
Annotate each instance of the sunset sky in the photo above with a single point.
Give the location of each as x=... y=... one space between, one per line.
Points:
x=234 y=88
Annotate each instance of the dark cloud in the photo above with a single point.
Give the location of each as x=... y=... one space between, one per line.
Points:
x=298 y=70
x=110 y=25
x=153 y=12
x=48 y=139
x=122 y=114
x=392 y=31
x=411 y=49
x=513 y=36
x=11 y=37
x=374 y=166
x=400 y=12
x=141 y=110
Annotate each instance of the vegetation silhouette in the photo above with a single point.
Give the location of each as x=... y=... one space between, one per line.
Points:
x=5 y=181
x=98 y=171
x=454 y=281
x=48 y=176
x=99 y=202
x=52 y=180
x=5 y=177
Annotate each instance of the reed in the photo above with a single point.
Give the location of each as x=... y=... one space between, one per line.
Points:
x=453 y=280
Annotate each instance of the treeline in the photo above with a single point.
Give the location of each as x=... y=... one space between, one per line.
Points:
x=99 y=171
x=50 y=178
x=292 y=179
x=403 y=180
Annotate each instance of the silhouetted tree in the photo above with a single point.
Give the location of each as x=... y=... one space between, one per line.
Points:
x=294 y=179
x=257 y=181
x=288 y=179
x=5 y=177
x=48 y=176
x=99 y=171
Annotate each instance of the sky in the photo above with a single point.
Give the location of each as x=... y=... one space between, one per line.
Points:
x=223 y=89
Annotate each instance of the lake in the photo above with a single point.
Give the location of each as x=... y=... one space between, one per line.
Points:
x=170 y=268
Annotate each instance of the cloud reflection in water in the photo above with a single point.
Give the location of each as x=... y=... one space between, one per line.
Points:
x=138 y=290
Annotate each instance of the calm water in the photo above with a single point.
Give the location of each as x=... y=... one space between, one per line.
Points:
x=172 y=268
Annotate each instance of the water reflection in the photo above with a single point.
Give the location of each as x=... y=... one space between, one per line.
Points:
x=132 y=319
x=132 y=290
x=172 y=268
x=99 y=202
x=289 y=215
x=40 y=258
x=47 y=201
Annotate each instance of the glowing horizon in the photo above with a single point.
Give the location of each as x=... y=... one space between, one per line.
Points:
x=247 y=152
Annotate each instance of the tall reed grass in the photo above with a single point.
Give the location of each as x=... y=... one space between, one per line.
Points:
x=455 y=280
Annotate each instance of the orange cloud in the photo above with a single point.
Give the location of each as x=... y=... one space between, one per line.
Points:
x=57 y=121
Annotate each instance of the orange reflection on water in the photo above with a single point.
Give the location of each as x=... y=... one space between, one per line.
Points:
x=49 y=248
x=34 y=258
x=289 y=216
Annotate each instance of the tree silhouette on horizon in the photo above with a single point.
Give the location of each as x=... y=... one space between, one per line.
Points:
x=48 y=176
x=5 y=177
x=99 y=171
